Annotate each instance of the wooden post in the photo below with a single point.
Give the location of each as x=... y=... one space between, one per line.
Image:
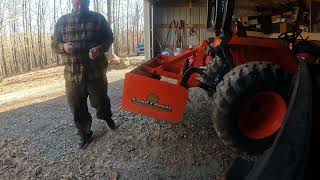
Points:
x=147 y=29
x=310 y=15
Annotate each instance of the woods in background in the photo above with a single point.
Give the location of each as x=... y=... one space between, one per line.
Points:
x=26 y=27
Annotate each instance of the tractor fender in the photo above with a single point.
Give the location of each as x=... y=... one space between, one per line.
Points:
x=244 y=50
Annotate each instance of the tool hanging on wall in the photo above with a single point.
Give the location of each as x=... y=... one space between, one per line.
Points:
x=176 y=42
x=168 y=32
x=190 y=11
x=193 y=38
x=183 y=32
x=179 y=30
x=190 y=25
x=158 y=42
x=191 y=34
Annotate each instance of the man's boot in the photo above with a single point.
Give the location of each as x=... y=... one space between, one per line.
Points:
x=85 y=141
x=111 y=124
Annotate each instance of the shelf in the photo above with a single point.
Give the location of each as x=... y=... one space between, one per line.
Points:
x=312 y=36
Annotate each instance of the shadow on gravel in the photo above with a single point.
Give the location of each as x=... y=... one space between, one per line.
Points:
x=140 y=148
x=48 y=126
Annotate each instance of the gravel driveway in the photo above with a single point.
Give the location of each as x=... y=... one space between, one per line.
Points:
x=39 y=141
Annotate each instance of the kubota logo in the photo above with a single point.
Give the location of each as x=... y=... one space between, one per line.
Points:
x=153 y=98
x=152 y=102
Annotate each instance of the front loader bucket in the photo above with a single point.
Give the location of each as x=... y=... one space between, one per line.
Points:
x=149 y=96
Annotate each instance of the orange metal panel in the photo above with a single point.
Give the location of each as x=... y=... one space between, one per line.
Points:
x=154 y=88
x=253 y=49
x=154 y=98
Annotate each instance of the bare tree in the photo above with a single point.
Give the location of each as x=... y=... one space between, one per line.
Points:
x=109 y=17
x=128 y=47
x=3 y=65
x=26 y=28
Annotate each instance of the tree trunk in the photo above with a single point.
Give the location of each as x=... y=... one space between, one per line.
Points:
x=54 y=21
x=109 y=16
x=13 y=37
x=25 y=36
x=128 y=44
x=43 y=25
x=3 y=59
x=95 y=5
x=138 y=11
x=34 y=61
x=133 y=29
x=39 y=36
x=3 y=66
x=118 y=27
x=61 y=11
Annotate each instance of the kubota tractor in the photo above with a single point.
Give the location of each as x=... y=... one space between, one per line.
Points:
x=249 y=79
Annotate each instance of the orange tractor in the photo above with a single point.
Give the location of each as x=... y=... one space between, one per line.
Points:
x=249 y=79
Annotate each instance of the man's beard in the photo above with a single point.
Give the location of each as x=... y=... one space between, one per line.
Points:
x=81 y=10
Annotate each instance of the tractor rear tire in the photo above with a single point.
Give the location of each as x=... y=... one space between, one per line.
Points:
x=251 y=127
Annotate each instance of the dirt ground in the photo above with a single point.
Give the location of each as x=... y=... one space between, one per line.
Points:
x=39 y=141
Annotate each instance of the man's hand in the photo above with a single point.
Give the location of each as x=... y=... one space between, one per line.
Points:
x=69 y=47
x=95 y=53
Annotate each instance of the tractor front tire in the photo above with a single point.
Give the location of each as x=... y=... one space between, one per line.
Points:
x=250 y=105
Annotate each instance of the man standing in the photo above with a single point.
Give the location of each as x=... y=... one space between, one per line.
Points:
x=82 y=38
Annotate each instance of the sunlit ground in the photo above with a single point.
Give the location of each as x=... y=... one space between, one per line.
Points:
x=39 y=86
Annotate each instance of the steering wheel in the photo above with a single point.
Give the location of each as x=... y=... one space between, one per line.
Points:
x=290 y=37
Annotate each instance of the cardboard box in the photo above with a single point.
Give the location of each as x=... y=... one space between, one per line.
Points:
x=253 y=22
x=289 y=13
x=289 y=16
x=315 y=28
x=304 y=28
x=245 y=20
x=276 y=18
x=275 y=28
x=283 y=27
